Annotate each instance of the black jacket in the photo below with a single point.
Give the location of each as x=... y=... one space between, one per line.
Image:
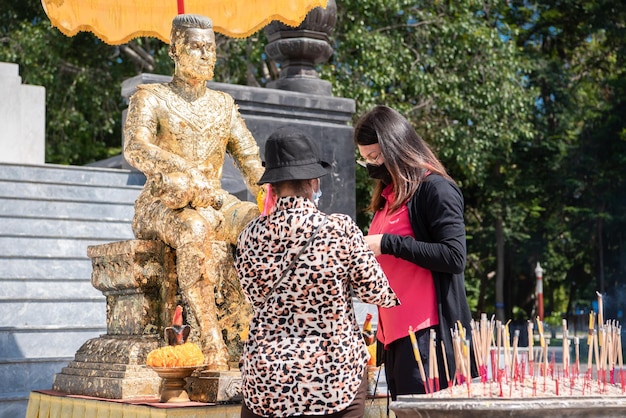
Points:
x=436 y=217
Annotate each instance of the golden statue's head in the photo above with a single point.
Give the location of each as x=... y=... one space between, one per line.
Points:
x=192 y=46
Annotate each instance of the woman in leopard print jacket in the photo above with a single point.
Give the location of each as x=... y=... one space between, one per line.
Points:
x=304 y=354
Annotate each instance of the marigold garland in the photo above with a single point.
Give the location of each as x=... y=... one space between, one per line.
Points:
x=184 y=355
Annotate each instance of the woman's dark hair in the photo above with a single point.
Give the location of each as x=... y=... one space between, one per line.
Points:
x=407 y=156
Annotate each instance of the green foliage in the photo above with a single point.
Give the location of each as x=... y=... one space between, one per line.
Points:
x=578 y=59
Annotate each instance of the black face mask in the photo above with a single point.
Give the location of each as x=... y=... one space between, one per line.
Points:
x=379 y=172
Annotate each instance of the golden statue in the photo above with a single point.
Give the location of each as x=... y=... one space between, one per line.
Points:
x=177 y=134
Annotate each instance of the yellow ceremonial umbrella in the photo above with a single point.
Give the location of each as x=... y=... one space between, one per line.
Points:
x=118 y=21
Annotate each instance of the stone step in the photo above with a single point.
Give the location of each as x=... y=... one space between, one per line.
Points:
x=61 y=228
x=21 y=247
x=41 y=342
x=52 y=173
x=52 y=210
x=29 y=374
x=46 y=268
x=54 y=312
x=14 y=405
x=45 y=288
x=42 y=192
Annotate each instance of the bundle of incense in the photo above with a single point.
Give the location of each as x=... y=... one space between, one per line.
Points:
x=604 y=354
x=507 y=350
x=464 y=353
x=486 y=335
x=545 y=361
x=595 y=353
x=515 y=362
x=577 y=351
x=600 y=317
x=418 y=358
x=445 y=365
x=433 y=369
x=542 y=341
x=459 y=373
x=591 y=328
x=590 y=340
x=462 y=357
x=619 y=359
x=610 y=355
x=468 y=367
x=478 y=353
x=497 y=373
x=614 y=359
x=531 y=341
x=543 y=346
x=565 y=344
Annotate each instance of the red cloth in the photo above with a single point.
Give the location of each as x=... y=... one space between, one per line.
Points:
x=412 y=284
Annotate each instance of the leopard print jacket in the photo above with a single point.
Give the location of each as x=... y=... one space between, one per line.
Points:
x=305 y=354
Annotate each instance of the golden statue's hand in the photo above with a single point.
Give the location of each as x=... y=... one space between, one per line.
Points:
x=205 y=198
x=173 y=189
x=204 y=194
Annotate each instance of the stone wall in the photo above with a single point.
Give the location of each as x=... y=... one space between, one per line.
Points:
x=22 y=117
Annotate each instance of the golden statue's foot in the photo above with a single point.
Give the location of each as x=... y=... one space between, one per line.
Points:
x=216 y=358
x=216 y=361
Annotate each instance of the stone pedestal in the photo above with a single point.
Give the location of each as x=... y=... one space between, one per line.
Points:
x=215 y=386
x=111 y=367
x=139 y=281
x=136 y=278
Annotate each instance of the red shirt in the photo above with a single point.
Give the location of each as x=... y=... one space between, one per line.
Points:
x=412 y=284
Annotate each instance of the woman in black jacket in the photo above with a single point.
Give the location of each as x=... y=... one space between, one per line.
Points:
x=418 y=236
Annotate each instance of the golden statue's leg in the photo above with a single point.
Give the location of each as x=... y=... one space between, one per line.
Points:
x=237 y=214
x=197 y=279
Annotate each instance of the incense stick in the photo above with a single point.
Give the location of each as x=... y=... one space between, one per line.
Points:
x=418 y=358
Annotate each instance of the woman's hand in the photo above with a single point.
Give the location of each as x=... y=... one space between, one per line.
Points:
x=373 y=241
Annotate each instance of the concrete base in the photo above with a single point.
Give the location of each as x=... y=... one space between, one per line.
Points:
x=420 y=406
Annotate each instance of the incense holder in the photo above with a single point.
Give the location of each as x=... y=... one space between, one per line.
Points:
x=421 y=406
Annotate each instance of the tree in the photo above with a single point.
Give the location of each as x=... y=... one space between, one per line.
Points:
x=453 y=69
x=577 y=49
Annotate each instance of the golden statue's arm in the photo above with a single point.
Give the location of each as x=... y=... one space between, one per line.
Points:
x=140 y=149
x=245 y=152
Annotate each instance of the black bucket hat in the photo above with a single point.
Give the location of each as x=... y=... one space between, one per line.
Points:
x=291 y=155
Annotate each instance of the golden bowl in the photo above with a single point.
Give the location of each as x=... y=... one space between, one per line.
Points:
x=173 y=386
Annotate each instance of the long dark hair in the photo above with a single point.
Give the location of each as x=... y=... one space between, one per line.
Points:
x=407 y=156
